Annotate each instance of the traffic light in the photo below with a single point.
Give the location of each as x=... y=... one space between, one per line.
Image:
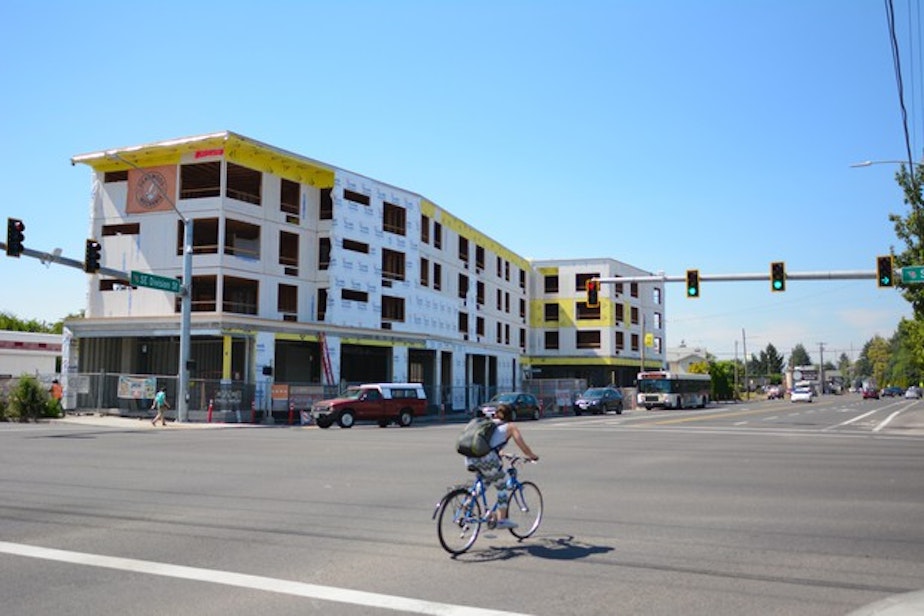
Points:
x=593 y=288
x=14 y=237
x=693 y=283
x=91 y=257
x=777 y=276
x=884 y=271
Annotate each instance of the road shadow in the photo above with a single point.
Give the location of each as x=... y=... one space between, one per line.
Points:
x=550 y=548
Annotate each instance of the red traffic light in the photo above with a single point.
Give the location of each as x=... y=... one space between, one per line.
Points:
x=15 y=237
x=593 y=288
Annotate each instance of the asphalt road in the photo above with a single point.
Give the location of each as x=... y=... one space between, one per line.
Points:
x=754 y=508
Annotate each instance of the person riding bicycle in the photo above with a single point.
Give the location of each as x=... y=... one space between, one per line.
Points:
x=491 y=466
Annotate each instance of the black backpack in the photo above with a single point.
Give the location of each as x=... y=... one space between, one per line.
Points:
x=475 y=440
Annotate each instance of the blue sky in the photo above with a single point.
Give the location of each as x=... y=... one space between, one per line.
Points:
x=715 y=135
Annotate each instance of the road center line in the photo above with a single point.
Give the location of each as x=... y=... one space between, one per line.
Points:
x=255 y=582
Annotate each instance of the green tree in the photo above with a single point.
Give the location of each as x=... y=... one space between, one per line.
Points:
x=910 y=229
x=799 y=357
x=877 y=352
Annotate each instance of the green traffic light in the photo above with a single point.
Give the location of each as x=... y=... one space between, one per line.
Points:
x=691 y=291
x=777 y=284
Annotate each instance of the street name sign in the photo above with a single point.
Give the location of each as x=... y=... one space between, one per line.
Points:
x=913 y=274
x=161 y=283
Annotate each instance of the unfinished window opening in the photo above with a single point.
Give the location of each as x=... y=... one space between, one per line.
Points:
x=115 y=176
x=394 y=218
x=424 y=229
x=463 y=249
x=479 y=326
x=620 y=341
x=463 y=324
x=129 y=229
x=355 y=197
x=392 y=308
x=205 y=236
x=551 y=340
x=585 y=312
x=479 y=258
x=635 y=340
x=392 y=264
x=240 y=295
x=463 y=286
x=355 y=296
x=244 y=184
x=322 y=304
x=551 y=283
x=437 y=235
x=204 y=294
x=200 y=180
x=323 y=253
x=287 y=302
x=437 y=276
x=479 y=293
x=580 y=281
x=288 y=198
x=634 y=315
x=326 y=210
x=588 y=339
x=424 y=272
x=288 y=252
x=242 y=239
x=355 y=246
x=551 y=313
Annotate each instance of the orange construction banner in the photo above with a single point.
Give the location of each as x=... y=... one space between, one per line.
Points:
x=152 y=189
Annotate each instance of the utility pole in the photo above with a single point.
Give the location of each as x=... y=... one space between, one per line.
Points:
x=821 y=367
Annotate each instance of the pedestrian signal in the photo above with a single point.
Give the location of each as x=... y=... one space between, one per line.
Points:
x=92 y=257
x=593 y=288
x=15 y=237
x=778 y=276
x=885 y=271
x=693 y=283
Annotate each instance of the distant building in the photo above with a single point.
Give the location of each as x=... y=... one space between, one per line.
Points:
x=28 y=353
x=679 y=359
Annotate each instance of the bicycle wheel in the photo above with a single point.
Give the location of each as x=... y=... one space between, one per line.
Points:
x=458 y=521
x=525 y=508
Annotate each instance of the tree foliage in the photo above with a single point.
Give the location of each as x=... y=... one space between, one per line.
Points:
x=799 y=357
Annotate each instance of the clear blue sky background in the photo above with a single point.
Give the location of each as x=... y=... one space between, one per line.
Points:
x=666 y=134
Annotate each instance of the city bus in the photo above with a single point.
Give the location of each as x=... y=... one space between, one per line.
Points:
x=673 y=390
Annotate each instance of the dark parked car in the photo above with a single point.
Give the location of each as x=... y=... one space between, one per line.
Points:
x=524 y=405
x=598 y=400
x=891 y=392
x=870 y=392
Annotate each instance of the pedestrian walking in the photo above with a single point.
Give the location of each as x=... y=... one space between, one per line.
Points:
x=160 y=404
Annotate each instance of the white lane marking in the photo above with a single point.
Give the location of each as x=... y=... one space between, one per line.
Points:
x=886 y=421
x=850 y=421
x=255 y=582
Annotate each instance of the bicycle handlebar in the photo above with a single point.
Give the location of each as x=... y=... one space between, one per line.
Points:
x=514 y=458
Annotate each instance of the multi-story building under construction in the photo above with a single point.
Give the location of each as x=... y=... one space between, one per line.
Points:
x=308 y=274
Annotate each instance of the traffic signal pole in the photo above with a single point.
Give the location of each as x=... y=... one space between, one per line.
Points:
x=830 y=275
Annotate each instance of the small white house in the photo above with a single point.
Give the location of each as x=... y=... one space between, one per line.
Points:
x=28 y=353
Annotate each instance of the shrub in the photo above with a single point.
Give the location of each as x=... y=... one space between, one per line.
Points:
x=28 y=400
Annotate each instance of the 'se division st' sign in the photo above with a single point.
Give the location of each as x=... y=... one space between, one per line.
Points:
x=152 y=281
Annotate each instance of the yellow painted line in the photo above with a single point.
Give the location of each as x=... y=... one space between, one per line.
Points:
x=665 y=422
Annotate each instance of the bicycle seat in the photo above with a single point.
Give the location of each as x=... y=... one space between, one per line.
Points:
x=472 y=468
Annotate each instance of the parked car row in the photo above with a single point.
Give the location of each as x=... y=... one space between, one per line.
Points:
x=912 y=393
x=596 y=401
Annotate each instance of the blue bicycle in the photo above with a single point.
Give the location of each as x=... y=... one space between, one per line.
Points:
x=460 y=513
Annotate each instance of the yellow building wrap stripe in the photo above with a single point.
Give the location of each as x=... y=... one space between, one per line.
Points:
x=226 y=356
x=297 y=337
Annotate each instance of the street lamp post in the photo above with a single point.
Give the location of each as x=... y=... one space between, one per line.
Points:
x=182 y=403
